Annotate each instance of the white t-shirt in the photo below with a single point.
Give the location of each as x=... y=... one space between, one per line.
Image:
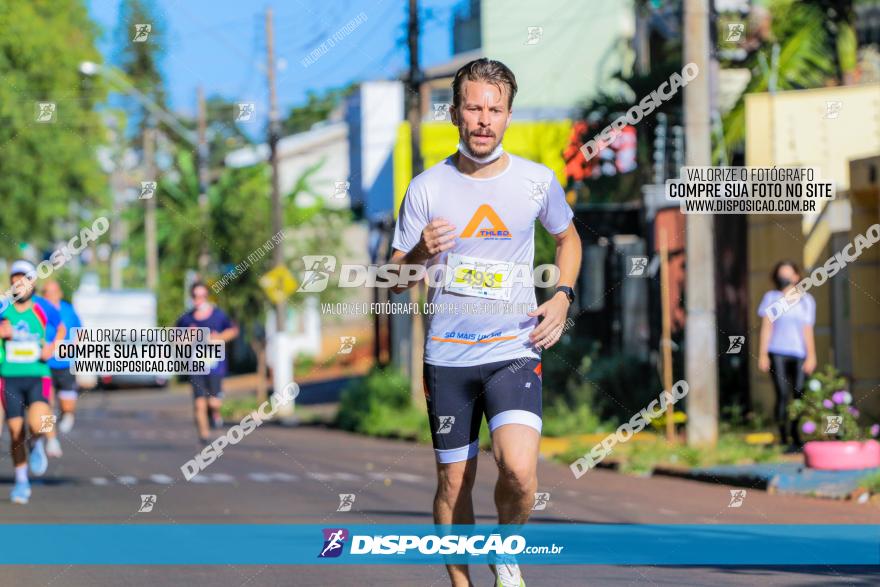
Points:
x=485 y=320
x=787 y=331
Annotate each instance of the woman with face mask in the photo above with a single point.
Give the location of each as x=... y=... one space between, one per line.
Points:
x=787 y=347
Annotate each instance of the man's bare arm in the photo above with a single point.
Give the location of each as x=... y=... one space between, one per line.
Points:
x=437 y=237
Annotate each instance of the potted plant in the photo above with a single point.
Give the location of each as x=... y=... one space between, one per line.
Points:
x=828 y=419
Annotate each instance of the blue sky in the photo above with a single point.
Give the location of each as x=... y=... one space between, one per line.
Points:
x=220 y=44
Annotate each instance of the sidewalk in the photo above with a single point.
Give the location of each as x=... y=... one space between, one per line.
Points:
x=785 y=478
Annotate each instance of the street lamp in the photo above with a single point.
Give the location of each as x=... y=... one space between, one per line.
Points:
x=197 y=140
x=90 y=68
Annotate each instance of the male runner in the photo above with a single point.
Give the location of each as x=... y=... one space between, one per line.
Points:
x=208 y=389
x=63 y=381
x=475 y=213
x=30 y=329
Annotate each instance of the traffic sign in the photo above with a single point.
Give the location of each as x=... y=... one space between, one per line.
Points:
x=278 y=284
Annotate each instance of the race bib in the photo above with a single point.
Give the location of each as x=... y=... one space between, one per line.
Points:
x=480 y=278
x=22 y=351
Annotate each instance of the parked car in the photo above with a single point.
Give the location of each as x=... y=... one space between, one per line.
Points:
x=120 y=308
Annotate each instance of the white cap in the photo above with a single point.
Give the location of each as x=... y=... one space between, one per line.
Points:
x=22 y=267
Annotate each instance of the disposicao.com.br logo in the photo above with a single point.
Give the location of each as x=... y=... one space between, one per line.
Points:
x=431 y=544
x=320 y=268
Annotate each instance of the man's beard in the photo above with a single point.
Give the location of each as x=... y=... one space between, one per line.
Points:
x=481 y=150
x=484 y=154
x=21 y=298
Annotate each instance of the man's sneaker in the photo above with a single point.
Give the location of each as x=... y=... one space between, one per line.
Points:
x=508 y=576
x=37 y=461
x=66 y=423
x=53 y=448
x=21 y=493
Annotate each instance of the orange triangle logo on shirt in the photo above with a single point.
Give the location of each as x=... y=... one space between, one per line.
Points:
x=485 y=212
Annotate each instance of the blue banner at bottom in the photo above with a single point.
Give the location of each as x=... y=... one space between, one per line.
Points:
x=532 y=544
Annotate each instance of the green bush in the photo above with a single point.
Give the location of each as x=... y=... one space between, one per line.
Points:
x=825 y=396
x=380 y=405
x=562 y=420
x=871 y=483
x=643 y=457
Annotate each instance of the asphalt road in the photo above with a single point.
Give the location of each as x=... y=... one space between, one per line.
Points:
x=133 y=442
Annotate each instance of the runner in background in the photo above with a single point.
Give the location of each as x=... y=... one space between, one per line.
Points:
x=208 y=389
x=63 y=381
x=29 y=329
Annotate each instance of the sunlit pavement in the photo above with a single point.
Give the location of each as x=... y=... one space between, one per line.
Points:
x=130 y=443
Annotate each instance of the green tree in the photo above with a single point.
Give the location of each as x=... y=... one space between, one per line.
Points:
x=48 y=170
x=316 y=109
x=816 y=43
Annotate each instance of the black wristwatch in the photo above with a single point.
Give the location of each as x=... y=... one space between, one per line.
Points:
x=569 y=293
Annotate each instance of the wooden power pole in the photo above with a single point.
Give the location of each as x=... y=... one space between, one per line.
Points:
x=202 y=151
x=701 y=335
x=414 y=115
x=149 y=139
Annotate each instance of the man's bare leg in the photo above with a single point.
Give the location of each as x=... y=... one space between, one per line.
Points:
x=515 y=447
x=200 y=406
x=453 y=505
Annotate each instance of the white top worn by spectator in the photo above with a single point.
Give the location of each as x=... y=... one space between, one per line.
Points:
x=787 y=332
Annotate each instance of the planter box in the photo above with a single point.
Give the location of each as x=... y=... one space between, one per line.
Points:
x=838 y=455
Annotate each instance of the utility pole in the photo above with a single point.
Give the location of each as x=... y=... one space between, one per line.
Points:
x=414 y=115
x=282 y=367
x=117 y=184
x=150 y=212
x=414 y=102
x=701 y=335
x=202 y=151
x=274 y=132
